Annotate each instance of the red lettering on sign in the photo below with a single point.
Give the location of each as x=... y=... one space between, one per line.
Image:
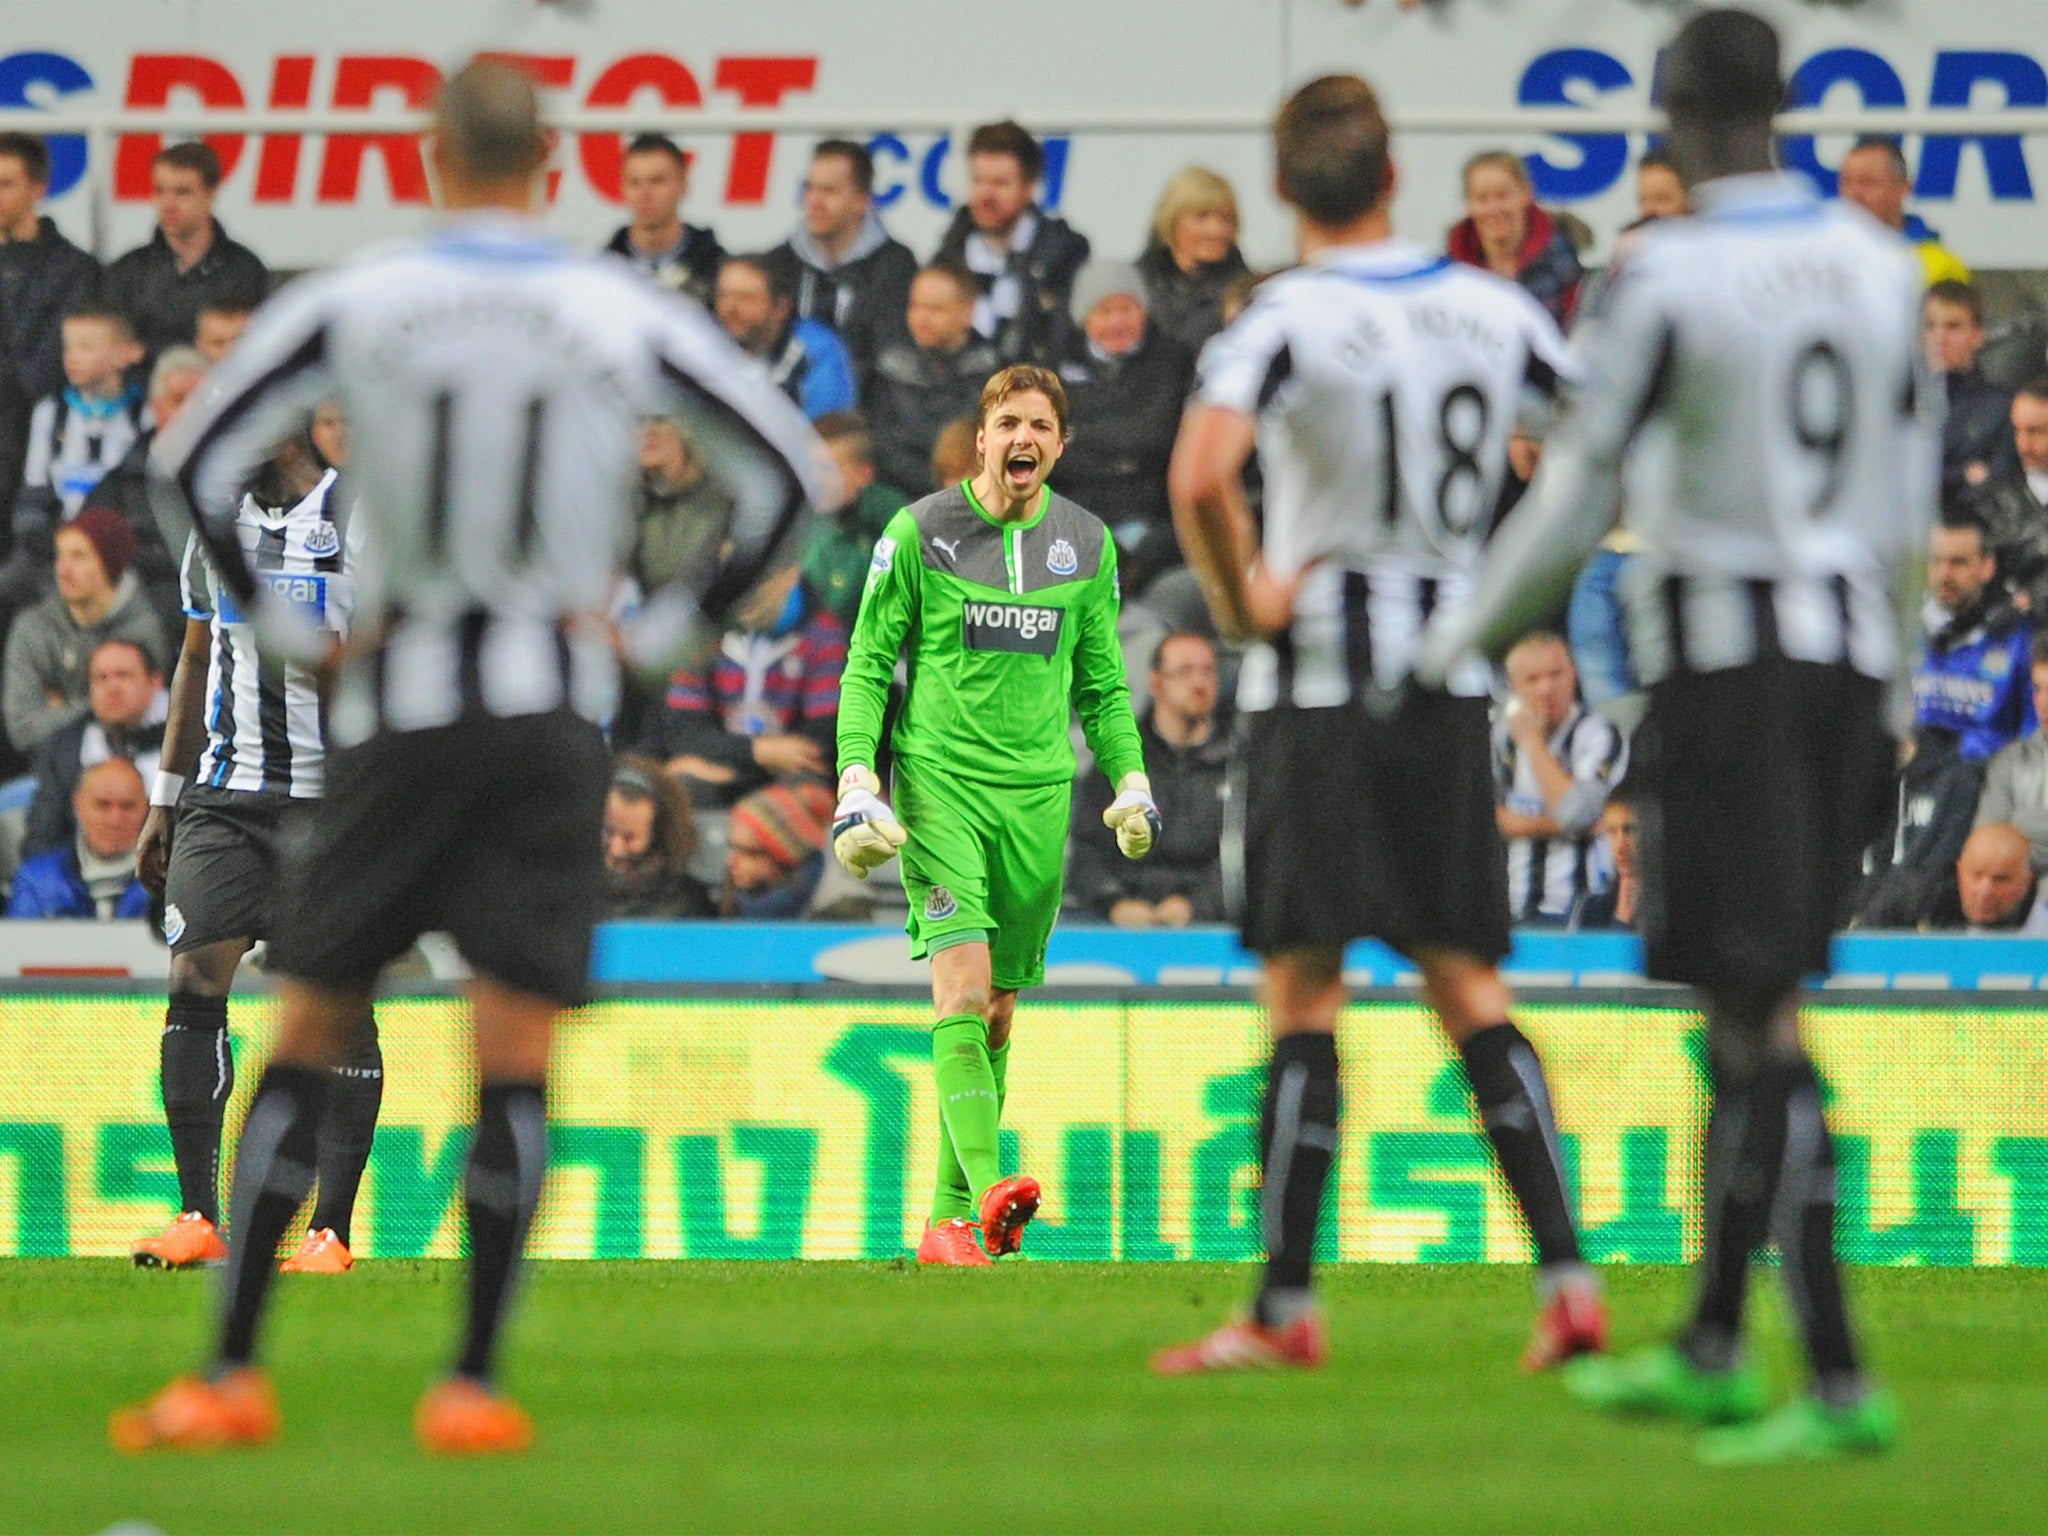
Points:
x=277 y=162
x=152 y=78
x=604 y=154
x=358 y=80
x=760 y=82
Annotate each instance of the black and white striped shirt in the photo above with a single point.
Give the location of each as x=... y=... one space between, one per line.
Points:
x=1549 y=876
x=494 y=383
x=265 y=725
x=1767 y=352
x=1385 y=382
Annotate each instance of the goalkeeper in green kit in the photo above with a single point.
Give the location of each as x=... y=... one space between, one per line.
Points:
x=1002 y=597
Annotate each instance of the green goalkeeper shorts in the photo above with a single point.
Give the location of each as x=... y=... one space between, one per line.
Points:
x=983 y=862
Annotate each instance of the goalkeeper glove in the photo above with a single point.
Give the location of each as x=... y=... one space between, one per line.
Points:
x=1133 y=816
x=865 y=832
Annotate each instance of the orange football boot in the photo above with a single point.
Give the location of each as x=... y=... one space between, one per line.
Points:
x=1244 y=1344
x=188 y=1241
x=952 y=1241
x=1572 y=1323
x=460 y=1417
x=193 y=1414
x=1006 y=1206
x=322 y=1253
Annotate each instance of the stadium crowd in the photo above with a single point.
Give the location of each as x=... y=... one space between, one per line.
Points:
x=720 y=801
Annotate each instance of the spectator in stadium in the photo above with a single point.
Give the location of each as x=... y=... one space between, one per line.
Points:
x=1187 y=756
x=683 y=515
x=1990 y=888
x=763 y=706
x=954 y=456
x=125 y=487
x=841 y=543
x=2013 y=500
x=92 y=876
x=1976 y=440
x=83 y=430
x=777 y=852
x=125 y=708
x=1875 y=177
x=1022 y=259
x=220 y=325
x=1505 y=232
x=1554 y=761
x=1617 y=906
x=842 y=265
x=43 y=277
x=97 y=598
x=649 y=836
x=932 y=377
x=1126 y=383
x=1192 y=258
x=809 y=363
x=1660 y=192
x=2016 y=782
x=654 y=180
x=189 y=263
x=1971 y=685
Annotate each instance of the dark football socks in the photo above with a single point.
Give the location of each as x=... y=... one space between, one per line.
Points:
x=273 y=1174
x=1514 y=1105
x=347 y=1129
x=501 y=1185
x=198 y=1075
x=1297 y=1143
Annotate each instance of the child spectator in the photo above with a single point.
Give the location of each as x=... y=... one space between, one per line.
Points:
x=84 y=430
x=841 y=544
x=777 y=851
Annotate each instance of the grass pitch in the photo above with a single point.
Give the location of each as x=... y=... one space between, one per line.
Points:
x=743 y=1397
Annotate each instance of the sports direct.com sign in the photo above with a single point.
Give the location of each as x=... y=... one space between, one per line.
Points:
x=1202 y=73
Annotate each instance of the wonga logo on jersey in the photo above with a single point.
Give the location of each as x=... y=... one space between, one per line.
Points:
x=1017 y=627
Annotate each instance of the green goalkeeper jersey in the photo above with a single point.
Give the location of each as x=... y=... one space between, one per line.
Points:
x=1007 y=627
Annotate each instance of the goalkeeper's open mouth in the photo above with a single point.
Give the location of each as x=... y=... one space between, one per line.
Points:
x=1021 y=470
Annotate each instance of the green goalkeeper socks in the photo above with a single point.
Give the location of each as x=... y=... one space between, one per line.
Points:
x=970 y=1105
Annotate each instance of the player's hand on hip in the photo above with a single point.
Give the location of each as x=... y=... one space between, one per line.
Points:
x=1133 y=816
x=865 y=832
x=1269 y=600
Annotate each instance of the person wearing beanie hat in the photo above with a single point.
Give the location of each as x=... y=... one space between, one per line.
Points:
x=1100 y=280
x=777 y=850
x=50 y=646
x=1126 y=380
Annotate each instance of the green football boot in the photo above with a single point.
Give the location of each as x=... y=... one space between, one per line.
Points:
x=1659 y=1382
x=1806 y=1429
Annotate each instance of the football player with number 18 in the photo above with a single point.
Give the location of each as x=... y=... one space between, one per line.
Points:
x=1005 y=598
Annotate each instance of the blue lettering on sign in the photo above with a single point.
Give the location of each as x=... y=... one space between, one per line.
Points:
x=1548 y=82
x=1876 y=82
x=308 y=593
x=26 y=79
x=890 y=150
x=2005 y=165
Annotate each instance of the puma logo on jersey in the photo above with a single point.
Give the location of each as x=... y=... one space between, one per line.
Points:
x=950 y=548
x=1018 y=627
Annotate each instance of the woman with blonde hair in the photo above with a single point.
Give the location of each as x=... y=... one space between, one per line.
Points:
x=1504 y=231
x=1191 y=256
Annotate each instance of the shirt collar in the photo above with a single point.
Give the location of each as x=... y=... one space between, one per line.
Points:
x=1761 y=192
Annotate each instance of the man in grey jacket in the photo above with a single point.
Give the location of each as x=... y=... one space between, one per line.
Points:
x=49 y=649
x=2016 y=783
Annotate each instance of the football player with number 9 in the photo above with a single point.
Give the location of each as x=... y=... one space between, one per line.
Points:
x=1003 y=596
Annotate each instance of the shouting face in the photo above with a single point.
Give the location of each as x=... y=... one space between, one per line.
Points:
x=1020 y=441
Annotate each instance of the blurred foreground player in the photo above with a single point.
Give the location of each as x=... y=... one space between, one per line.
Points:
x=263 y=729
x=1380 y=384
x=494 y=384
x=1006 y=597
x=1773 y=338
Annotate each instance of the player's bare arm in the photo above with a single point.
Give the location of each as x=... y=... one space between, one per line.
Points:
x=184 y=735
x=1214 y=520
